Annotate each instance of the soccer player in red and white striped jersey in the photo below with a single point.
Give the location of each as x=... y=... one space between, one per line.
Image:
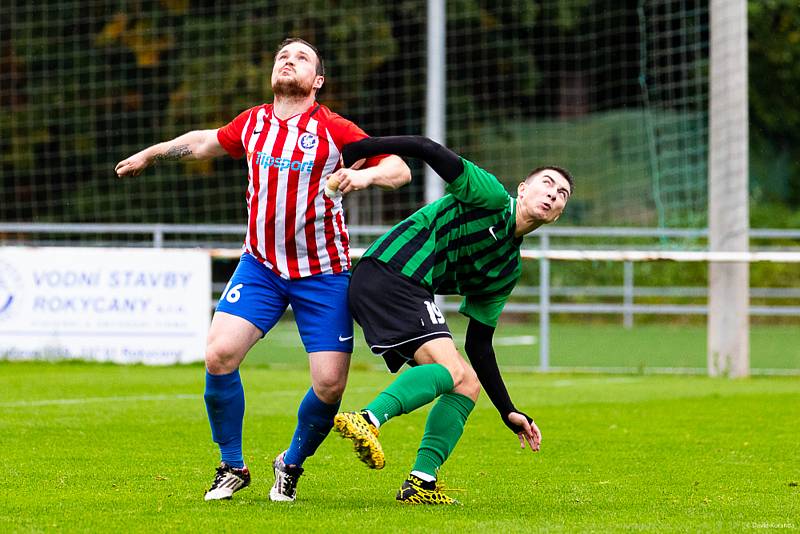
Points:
x=292 y=228
x=295 y=252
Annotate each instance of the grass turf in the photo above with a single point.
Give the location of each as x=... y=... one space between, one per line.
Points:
x=93 y=447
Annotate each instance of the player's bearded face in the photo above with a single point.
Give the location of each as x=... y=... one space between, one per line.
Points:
x=292 y=87
x=294 y=74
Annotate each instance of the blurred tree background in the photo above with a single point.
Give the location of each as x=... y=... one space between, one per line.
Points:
x=617 y=92
x=774 y=33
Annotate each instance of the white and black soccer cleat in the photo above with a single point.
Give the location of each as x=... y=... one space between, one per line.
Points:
x=227 y=481
x=285 y=487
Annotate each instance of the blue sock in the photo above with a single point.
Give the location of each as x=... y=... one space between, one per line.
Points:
x=314 y=422
x=225 y=406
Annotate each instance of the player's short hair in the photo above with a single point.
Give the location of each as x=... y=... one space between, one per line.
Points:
x=560 y=170
x=290 y=40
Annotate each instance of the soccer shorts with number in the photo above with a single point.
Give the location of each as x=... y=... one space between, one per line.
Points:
x=319 y=304
x=397 y=314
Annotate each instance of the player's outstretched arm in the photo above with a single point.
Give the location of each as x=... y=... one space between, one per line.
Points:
x=441 y=159
x=480 y=352
x=197 y=145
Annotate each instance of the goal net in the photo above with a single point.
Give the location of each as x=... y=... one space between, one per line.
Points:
x=614 y=91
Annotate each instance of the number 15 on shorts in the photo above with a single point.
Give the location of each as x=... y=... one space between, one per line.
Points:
x=434 y=312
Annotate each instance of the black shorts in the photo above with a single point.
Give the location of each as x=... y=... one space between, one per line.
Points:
x=397 y=315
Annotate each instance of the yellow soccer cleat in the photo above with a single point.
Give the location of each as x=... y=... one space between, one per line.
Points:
x=416 y=491
x=357 y=427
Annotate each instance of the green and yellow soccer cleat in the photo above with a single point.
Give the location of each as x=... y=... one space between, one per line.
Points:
x=416 y=491
x=357 y=427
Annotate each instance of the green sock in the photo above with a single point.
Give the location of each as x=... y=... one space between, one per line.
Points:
x=414 y=388
x=442 y=431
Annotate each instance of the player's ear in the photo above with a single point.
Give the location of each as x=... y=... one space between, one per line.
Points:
x=521 y=189
x=318 y=81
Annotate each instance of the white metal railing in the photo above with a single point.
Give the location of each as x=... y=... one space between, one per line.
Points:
x=158 y=232
x=166 y=235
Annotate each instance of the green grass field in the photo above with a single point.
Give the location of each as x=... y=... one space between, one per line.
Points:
x=102 y=448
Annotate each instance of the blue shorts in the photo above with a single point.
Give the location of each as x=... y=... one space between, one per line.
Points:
x=319 y=303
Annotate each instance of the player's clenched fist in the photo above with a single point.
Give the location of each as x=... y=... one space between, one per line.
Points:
x=350 y=180
x=332 y=187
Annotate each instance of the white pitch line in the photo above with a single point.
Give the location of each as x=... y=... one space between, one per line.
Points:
x=580 y=382
x=89 y=400
x=292 y=339
x=513 y=341
x=138 y=398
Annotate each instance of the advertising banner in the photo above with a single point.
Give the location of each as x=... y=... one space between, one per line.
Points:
x=146 y=306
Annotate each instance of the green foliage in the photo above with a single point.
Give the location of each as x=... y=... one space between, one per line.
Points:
x=774 y=30
x=86 y=84
x=774 y=53
x=610 y=155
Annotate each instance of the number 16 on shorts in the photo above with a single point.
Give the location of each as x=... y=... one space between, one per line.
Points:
x=232 y=294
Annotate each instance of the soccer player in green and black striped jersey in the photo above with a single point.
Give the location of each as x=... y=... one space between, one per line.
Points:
x=466 y=243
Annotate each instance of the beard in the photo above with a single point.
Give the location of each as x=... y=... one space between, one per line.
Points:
x=292 y=88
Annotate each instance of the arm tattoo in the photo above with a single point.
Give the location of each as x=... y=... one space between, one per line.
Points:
x=173 y=154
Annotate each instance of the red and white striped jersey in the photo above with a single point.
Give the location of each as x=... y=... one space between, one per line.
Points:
x=293 y=227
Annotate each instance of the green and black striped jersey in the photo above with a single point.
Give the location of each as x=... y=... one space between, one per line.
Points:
x=462 y=244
